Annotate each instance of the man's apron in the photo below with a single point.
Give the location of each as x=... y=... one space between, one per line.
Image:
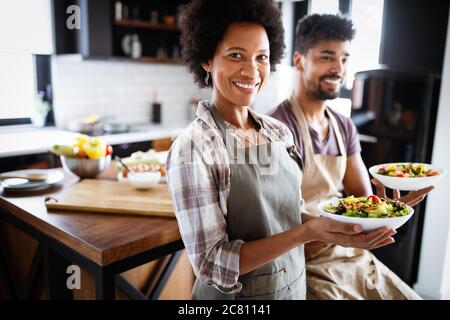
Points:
x=335 y=272
x=262 y=203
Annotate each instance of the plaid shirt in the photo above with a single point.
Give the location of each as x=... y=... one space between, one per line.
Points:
x=198 y=175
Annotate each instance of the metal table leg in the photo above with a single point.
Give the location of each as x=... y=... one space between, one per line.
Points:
x=105 y=285
x=56 y=267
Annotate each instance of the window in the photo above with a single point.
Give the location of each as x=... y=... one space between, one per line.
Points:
x=25 y=30
x=367 y=18
x=324 y=6
x=17 y=85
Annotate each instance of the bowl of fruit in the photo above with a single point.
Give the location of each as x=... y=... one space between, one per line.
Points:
x=87 y=157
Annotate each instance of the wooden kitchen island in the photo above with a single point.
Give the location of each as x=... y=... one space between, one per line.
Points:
x=103 y=244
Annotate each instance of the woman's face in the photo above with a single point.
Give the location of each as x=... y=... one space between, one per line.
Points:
x=240 y=66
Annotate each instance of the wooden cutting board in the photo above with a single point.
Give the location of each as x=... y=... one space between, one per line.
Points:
x=105 y=196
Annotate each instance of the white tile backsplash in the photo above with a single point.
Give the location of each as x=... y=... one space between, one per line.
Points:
x=124 y=90
x=278 y=88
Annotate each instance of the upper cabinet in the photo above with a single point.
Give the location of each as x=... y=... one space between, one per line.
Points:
x=26 y=27
x=147 y=31
x=414 y=37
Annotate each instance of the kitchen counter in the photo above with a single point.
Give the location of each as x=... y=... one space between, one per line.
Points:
x=28 y=140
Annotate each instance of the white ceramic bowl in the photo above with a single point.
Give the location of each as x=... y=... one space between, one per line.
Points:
x=144 y=180
x=368 y=224
x=407 y=184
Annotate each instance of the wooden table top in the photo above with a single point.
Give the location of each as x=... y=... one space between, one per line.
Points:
x=103 y=238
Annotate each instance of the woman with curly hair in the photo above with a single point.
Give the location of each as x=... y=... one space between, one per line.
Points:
x=234 y=175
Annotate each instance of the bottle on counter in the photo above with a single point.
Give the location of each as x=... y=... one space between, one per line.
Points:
x=156 y=108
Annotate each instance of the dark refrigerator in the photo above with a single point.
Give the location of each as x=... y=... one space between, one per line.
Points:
x=395 y=112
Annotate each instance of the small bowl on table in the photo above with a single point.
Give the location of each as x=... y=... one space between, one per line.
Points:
x=144 y=180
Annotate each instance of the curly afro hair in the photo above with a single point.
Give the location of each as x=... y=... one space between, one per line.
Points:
x=205 y=22
x=318 y=27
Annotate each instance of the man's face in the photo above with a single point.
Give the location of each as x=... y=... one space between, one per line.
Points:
x=323 y=68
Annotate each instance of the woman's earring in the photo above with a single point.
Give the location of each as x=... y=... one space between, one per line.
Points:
x=207 y=77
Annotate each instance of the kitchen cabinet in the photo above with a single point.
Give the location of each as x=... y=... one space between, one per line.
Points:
x=414 y=33
x=82 y=26
x=156 y=26
x=142 y=31
x=26 y=27
x=32 y=161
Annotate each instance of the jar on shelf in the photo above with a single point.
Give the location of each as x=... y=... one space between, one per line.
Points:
x=154 y=16
x=136 y=47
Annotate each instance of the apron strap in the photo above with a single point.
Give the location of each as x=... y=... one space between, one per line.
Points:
x=337 y=132
x=303 y=124
x=228 y=139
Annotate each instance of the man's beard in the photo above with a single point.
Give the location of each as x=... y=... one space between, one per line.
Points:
x=325 y=95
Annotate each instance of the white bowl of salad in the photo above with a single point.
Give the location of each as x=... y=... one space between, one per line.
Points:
x=371 y=212
x=407 y=176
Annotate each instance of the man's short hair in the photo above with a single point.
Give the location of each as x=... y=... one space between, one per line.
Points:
x=314 y=28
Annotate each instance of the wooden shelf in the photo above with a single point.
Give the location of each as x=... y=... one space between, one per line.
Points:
x=145 y=25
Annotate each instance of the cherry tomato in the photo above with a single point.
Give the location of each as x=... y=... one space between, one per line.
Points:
x=80 y=154
x=400 y=174
x=109 y=149
x=374 y=198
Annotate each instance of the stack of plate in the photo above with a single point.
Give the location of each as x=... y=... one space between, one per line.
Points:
x=18 y=184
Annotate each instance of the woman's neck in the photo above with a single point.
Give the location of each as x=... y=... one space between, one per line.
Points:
x=238 y=116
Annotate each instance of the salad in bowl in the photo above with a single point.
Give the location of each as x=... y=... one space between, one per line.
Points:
x=370 y=212
x=407 y=176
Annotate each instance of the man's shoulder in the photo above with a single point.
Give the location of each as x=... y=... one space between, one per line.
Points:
x=271 y=121
x=281 y=110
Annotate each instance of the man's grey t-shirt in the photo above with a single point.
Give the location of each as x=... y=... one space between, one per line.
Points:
x=329 y=146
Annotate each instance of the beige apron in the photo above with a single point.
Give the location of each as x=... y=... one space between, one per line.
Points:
x=335 y=272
